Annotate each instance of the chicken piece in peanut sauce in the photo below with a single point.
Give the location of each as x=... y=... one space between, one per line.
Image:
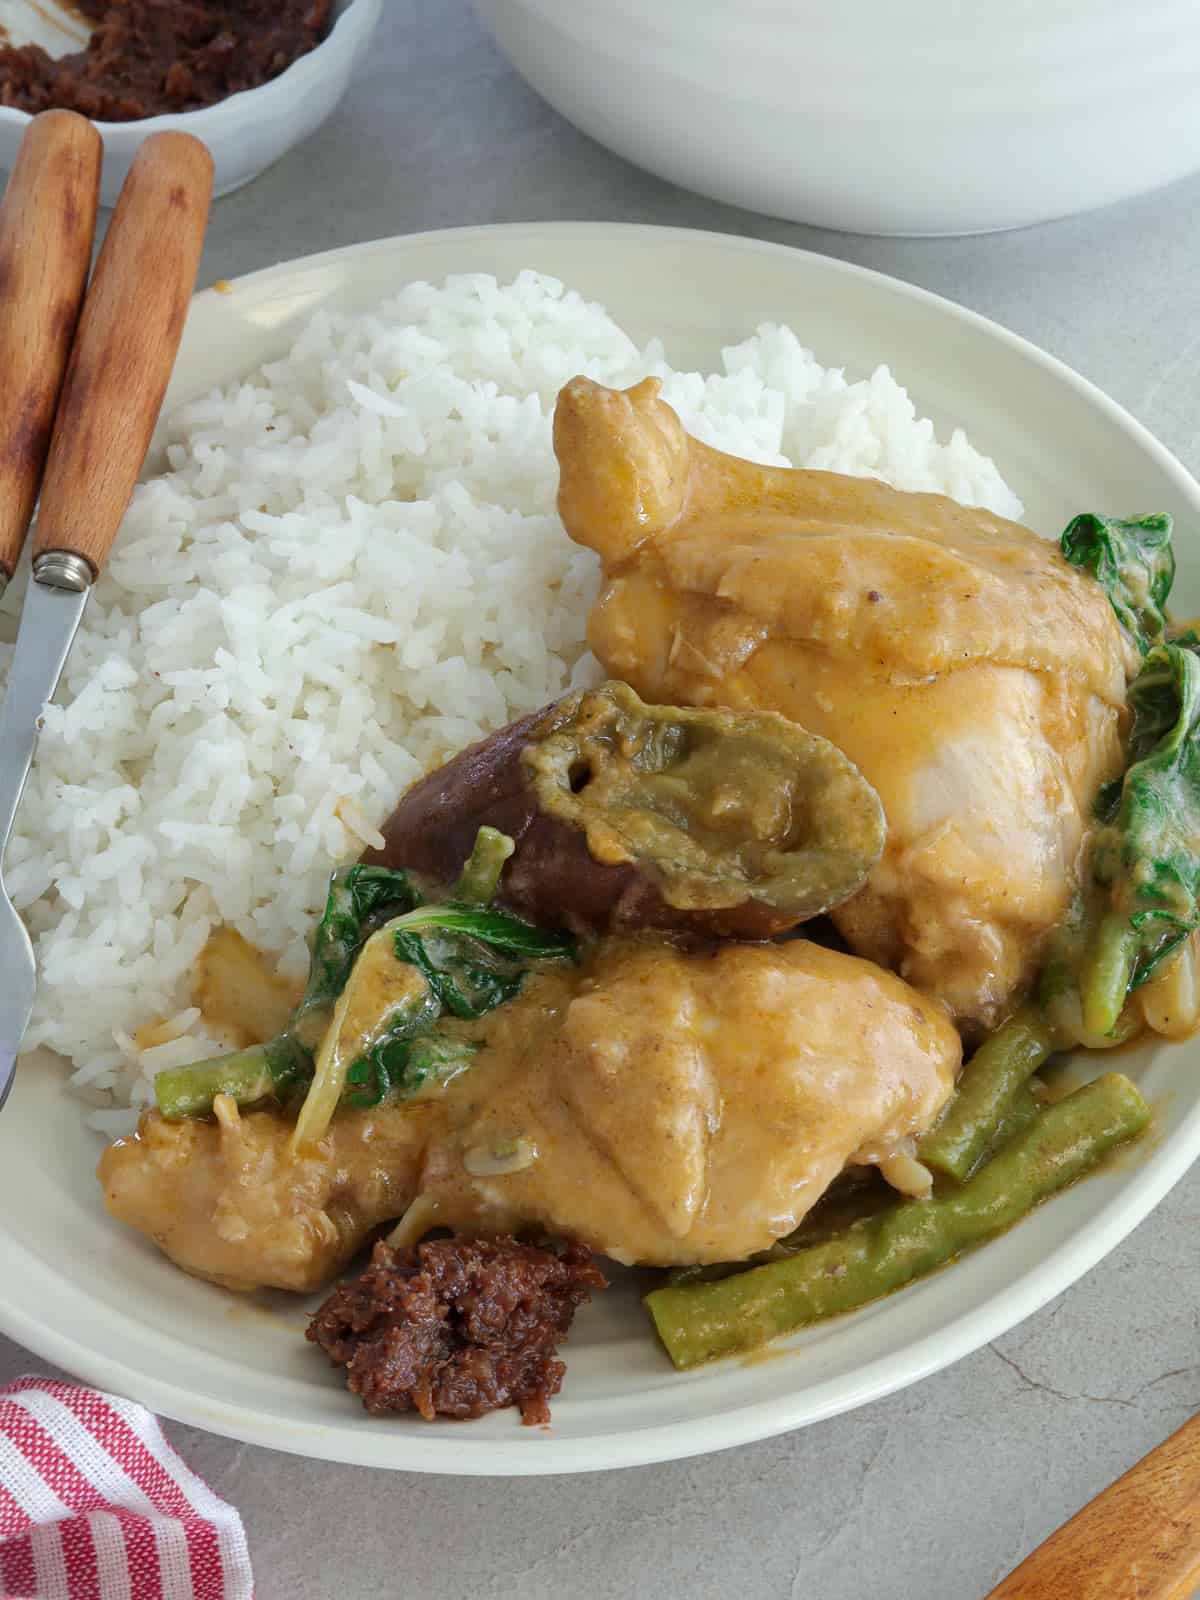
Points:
x=973 y=675
x=661 y=1106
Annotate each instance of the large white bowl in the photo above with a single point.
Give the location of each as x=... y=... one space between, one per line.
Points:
x=877 y=116
x=246 y=132
x=101 y=1301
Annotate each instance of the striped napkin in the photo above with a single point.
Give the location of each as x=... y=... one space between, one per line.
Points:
x=96 y=1505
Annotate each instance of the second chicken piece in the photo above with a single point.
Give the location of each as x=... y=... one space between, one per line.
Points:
x=659 y=1106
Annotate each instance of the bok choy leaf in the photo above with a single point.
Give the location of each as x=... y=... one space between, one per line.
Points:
x=1133 y=563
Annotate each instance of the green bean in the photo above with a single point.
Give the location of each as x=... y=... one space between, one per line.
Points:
x=480 y=877
x=259 y=1073
x=1023 y=1111
x=822 y=1225
x=700 y=1321
x=1107 y=972
x=986 y=1091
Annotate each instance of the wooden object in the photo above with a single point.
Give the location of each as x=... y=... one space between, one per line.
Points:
x=47 y=224
x=1139 y=1540
x=125 y=348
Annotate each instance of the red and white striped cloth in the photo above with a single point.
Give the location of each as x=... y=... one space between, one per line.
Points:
x=96 y=1505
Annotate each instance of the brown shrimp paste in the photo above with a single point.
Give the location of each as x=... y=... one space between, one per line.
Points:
x=147 y=58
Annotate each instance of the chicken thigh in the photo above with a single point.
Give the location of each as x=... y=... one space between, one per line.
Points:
x=975 y=677
x=658 y=1105
x=694 y=1107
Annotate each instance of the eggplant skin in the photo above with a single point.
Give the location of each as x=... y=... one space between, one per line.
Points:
x=552 y=879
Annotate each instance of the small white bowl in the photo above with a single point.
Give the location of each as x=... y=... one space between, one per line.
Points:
x=246 y=132
x=877 y=116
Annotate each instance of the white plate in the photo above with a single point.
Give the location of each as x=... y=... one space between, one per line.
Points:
x=98 y=1300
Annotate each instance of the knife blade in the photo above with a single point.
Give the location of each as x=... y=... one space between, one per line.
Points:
x=121 y=359
x=49 y=622
x=47 y=222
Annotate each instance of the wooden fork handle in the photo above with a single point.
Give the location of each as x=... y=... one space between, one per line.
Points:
x=47 y=224
x=125 y=348
x=1139 y=1540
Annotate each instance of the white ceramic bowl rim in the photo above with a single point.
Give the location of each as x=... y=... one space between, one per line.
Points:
x=934 y=46
x=303 y=70
x=905 y=117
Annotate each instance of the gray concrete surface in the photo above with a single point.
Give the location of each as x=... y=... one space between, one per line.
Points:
x=938 y=1491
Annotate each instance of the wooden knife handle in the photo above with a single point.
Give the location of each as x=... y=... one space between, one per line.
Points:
x=47 y=224
x=125 y=348
x=1139 y=1540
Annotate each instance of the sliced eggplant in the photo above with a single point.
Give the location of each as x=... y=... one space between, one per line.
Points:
x=729 y=823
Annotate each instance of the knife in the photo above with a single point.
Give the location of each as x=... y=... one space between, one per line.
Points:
x=121 y=358
x=47 y=223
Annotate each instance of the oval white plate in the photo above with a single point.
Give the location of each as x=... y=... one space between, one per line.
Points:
x=102 y=1303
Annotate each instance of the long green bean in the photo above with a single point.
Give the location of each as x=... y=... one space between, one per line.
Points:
x=987 y=1089
x=1023 y=1111
x=480 y=877
x=1107 y=972
x=257 y=1073
x=820 y=1226
x=698 y=1322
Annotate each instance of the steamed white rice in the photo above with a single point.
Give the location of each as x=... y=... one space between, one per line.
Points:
x=352 y=567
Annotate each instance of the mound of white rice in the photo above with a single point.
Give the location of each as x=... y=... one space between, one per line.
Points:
x=352 y=567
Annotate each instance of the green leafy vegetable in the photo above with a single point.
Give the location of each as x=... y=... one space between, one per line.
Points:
x=403 y=1067
x=466 y=960
x=1148 y=856
x=360 y=899
x=1154 y=704
x=1145 y=865
x=499 y=930
x=473 y=959
x=382 y=1000
x=1133 y=563
x=467 y=977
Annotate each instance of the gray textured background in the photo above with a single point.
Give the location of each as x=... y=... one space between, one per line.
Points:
x=938 y=1491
